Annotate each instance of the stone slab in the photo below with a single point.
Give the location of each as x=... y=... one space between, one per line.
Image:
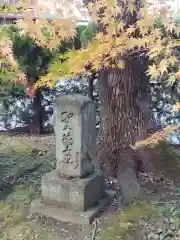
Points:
x=75 y=130
x=78 y=194
x=68 y=215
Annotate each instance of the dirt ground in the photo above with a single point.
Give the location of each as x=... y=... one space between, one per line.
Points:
x=23 y=160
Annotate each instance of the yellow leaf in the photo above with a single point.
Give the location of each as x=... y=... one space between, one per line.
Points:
x=155 y=49
x=121 y=64
x=163 y=66
x=120 y=26
x=172 y=79
x=177 y=30
x=172 y=60
x=153 y=71
x=141 y=42
x=130 y=30
x=157 y=32
x=170 y=27
x=143 y=12
x=131 y=7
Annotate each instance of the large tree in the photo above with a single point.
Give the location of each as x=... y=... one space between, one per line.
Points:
x=126 y=114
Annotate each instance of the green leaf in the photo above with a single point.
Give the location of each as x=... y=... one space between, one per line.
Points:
x=172 y=79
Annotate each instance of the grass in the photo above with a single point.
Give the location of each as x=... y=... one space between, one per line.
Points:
x=21 y=168
x=126 y=221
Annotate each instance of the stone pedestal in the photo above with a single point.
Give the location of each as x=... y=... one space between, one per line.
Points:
x=75 y=191
x=78 y=194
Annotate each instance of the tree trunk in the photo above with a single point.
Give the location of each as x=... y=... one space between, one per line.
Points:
x=38 y=113
x=126 y=118
x=91 y=79
x=90 y=88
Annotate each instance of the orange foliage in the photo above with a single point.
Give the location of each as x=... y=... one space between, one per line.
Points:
x=177 y=75
x=31 y=91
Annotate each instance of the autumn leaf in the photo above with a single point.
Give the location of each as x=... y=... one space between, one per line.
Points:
x=131 y=7
x=31 y=91
x=22 y=79
x=172 y=79
x=130 y=30
x=172 y=60
x=177 y=75
x=163 y=66
x=121 y=64
x=176 y=107
x=153 y=71
x=115 y=42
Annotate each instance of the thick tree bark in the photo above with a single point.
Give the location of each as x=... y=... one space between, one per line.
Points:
x=126 y=118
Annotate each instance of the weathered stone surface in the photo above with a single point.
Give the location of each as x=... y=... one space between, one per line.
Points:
x=68 y=215
x=78 y=194
x=75 y=129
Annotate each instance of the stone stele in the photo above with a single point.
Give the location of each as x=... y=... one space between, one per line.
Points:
x=75 y=122
x=75 y=191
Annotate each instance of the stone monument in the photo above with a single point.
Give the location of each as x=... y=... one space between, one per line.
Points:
x=75 y=191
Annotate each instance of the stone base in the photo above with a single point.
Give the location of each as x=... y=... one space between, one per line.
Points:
x=78 y=194
x=69 y=215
